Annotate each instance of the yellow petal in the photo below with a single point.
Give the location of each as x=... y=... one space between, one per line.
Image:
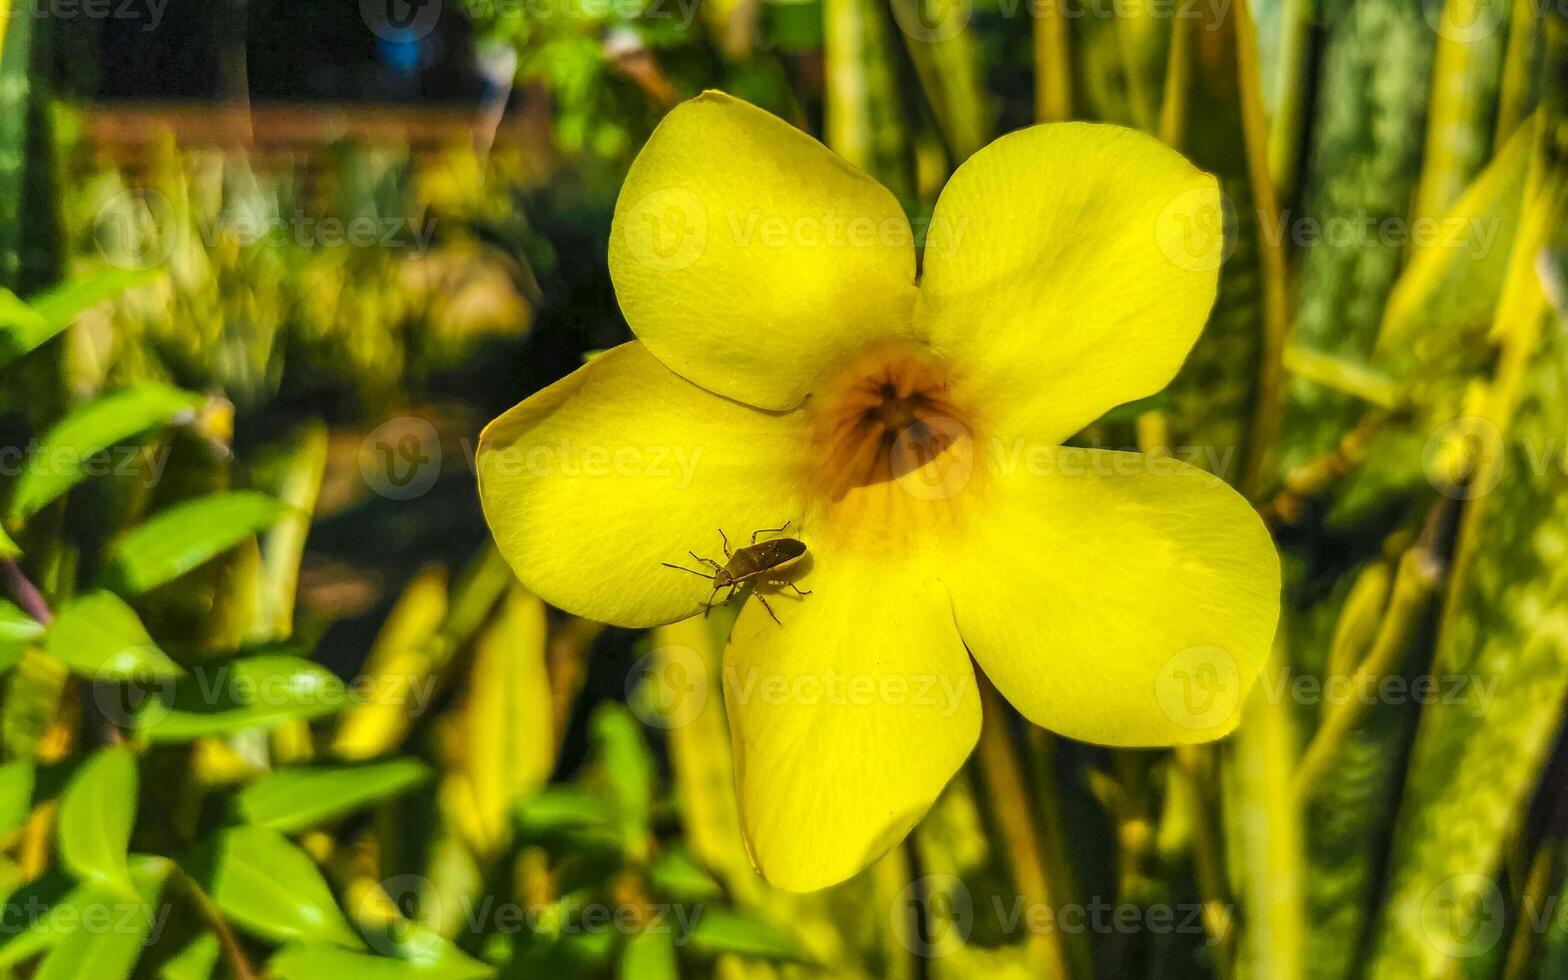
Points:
x=1068 y=269
x=749 y=258
x=591 y=483
x=847 y=720
x=1115 y=597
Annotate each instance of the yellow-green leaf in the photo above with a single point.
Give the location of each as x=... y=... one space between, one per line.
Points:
x=269 y=887
x=186 y=536
x=98 y=636
x=287 y=800
x=96 y=816
x=66 y=454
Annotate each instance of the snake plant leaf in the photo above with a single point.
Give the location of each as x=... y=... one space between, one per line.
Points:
x=1504 y=635
x=1373 y=90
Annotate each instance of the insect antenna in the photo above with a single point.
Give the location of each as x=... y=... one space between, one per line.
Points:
x=683 y=568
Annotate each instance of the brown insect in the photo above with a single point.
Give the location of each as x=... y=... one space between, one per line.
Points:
x=756 y=563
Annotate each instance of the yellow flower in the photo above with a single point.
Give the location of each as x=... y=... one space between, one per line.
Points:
x=791 y=366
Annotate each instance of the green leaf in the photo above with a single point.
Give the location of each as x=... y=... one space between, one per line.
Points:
x=628 y=767
x=65 y=455
x=269 y=887
x=196 y=960
x=186 y=536
x=649 y=956
x=675 y=874
x=25 y=327
x=292 y=799
x=17 y=631
x=16 y=793
x=8 y=548
x=424 y=949
x=252 y=692
x=43 y=912
x=559 y=808
x=108 y=936
x=96 y=816
x=97 y=635
x=318 y=962
x=744 y=934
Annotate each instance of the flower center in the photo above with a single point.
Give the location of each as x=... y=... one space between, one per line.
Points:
x=894 y=454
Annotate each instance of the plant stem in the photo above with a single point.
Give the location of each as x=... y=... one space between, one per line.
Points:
x=233 y=952
x=27 y=596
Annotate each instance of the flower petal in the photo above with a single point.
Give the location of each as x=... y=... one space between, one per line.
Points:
x=847 y=720
x=750 y=258
x=591 y=483
x=1068 y=269
x=1118 y=598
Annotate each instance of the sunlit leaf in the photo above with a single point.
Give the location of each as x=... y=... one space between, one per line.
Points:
x=186 y=536
x=628 y=768
x=16 y=793
x=269 y=887
x=649 y=956
x=743 y=933
x=17 y=631
x=57 y=308
x=96 y=816
x=251 y=692
x=292 y=799
x=97 y=635
x=319 y=962
x=107 y=938
x=66 y=454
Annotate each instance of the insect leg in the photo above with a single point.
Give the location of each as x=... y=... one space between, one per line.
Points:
x=768 y=530
x=765 y=605
x=704 y=561
x=683 y=568
x=798 y=589
x=708 y=606
x=726 y=542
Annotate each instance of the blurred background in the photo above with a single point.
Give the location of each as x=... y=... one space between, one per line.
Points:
x=273 y=706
